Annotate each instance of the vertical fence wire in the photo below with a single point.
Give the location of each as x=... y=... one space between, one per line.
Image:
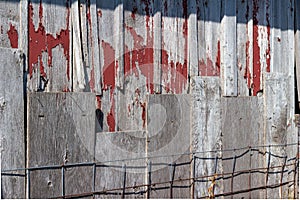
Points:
x=149 y=168
x=124 y=181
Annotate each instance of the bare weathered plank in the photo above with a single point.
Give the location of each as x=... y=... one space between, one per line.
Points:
x=206 y=131
x=243 y=44
x=279 y=130
x=228 y=49
x=242 y=125
x=61 y=130
x=174 y=47
x=12 y=123
x=114 y=151
x=168 y=119
x=79 y=82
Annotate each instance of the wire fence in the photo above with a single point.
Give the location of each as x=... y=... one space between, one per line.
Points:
x=224 y=176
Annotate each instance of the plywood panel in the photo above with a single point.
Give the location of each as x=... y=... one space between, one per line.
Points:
x=61 y=130
x=206 y=131
x=12 y=123
x=242 y=126
x=168 y=119
x=113 y=151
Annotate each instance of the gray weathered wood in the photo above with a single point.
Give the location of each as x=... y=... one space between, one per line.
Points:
x=228 y=49
x=242 y=125
x=120 y=148
x=192 y=38
x=10 y=24
x=279 y=129
x=49 y=46
x=61 y=130
x=12 y=122
x=79 y=82
x=206 y=130
x=243 y=44
x=168 y=119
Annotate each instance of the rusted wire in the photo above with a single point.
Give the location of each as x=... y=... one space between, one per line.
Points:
x=104 y=192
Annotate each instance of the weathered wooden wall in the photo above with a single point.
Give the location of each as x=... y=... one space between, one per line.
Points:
x=167 y=77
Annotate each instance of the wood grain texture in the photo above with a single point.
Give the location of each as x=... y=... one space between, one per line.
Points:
x=241 y=127
x=168 y=119
x=279 y=129
x=61 y=130
x=228 y=50
x=122 y=148
x=206 y=131
x=10 y=24
x=12 y=122
x=49 y=67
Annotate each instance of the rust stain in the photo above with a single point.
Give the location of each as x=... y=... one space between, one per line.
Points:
x=256 y=51
x=12 y=35
x=40 y=41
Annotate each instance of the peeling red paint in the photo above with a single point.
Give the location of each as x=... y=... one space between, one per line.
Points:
x=13 y=36
x=256 y=51
x=99 y=12
x=92 y=73
x=208 y=67
x=134 y=11
x=98 y=102
x=247 y=74
x=143 y=105
x=40 y=41
x=109 y=81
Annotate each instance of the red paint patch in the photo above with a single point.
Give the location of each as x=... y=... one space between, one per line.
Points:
x=256 y=51
x=143 y=105
x=218 y=58
x=109 y=81
x=247 y=74
x=40 y=41
x=13 y=36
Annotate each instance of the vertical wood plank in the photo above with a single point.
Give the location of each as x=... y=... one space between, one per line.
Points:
x=241 y=127
x=61 y=130
x=206 y=130
x=12 y=123
x=192 y=38
x=228 y=49
x=119 y=42
x=279 y=129
x=168 y=119
x=49 y=66
x=243 y=43
x=157 y=45
x=116 y=147
x=10 y=24
x=79 y=82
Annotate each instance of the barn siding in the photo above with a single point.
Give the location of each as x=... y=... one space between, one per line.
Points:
x=211 y=65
